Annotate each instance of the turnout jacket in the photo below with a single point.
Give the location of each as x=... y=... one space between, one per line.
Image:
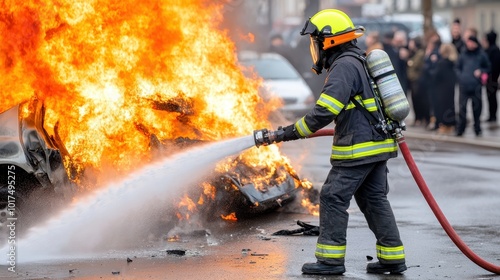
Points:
x=355 y=141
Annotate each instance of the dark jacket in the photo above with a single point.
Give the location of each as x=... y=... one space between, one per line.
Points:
x=444 y=76
x=468 y=62
x=445 y=79
x=356 y=141
x=459 y=44
x=426 y=81
x=398 y=64
x=493 y=53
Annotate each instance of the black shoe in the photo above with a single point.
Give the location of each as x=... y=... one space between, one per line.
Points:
x=321 y=268
x=379 y=268
x=479 y=133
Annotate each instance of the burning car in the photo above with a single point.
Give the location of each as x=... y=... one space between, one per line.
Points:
x=31 y=166
x=114 y=93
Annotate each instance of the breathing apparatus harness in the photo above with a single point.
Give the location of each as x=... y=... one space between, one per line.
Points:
x=382 y=124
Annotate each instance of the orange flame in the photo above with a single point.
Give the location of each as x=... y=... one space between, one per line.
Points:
x=185 y=208
x=113 y=74
x=250 y=37
x=230 y=217
x=311 y=207
x=105 y=69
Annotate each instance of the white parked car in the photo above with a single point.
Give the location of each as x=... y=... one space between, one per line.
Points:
x=282 y=80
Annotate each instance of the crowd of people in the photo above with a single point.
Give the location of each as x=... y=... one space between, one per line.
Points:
x=430 y=71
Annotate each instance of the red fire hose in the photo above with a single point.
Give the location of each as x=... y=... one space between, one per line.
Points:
x=431 y=201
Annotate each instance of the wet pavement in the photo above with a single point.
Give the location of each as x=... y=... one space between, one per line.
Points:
x=463 y=174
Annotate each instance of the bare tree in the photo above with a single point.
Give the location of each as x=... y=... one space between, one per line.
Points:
x=427 y=13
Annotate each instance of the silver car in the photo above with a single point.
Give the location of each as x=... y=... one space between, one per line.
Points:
x=31 y=167
x=281 y=79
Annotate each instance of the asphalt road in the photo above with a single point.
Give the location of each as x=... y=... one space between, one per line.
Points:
x=464 y=180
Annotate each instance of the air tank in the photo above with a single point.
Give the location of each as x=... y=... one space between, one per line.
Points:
x=393 y=97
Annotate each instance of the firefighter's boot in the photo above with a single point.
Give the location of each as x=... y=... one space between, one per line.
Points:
x=323 y=269
x=378 y=268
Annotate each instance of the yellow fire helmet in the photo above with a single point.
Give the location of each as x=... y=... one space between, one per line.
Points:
x=333 y=26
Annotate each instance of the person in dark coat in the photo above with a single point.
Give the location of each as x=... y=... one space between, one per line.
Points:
x=419 y=99
x=472 y=63
x=456 y=35
x=431 y=57
x=394 y=55
x=278 y=46
x=445 y=79
x=493 y=53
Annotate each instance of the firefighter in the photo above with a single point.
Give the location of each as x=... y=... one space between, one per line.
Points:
x=359 y=153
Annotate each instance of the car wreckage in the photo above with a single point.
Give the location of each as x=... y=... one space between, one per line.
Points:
x=32 y=165
x=31 y=169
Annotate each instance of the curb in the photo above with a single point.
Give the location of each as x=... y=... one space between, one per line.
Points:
x=478 y=141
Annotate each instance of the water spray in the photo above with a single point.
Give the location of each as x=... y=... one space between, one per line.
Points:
x=266 y=137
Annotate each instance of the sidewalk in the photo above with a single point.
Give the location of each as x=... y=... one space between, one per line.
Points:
x=489 y=139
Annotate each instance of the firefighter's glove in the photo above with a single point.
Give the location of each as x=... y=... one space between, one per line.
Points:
x=264 y=137
x=289 y=133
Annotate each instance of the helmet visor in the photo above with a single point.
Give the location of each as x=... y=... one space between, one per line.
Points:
x=315 y=48
x=309 y=28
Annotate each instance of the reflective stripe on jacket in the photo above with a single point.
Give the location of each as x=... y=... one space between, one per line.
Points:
x=356 y=141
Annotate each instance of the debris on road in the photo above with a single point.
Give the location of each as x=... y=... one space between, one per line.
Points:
x=176 y=252
x=245 y=251
x=306 y=229
x=115 y=272
x=129 y=260
x=258 y=255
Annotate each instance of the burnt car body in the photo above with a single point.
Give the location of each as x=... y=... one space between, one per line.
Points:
x=243 y=198
x=33 y=177
x=236 y=190
x=31 y=166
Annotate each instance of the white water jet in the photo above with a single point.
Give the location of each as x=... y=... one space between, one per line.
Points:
x=119 y=212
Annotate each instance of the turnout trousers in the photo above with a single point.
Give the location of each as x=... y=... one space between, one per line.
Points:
x=368 y=183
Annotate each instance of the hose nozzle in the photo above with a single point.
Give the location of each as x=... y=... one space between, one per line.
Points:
x=264 y=137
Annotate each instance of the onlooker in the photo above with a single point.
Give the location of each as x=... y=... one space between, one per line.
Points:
x=419 y=99
x=400 y=44
x=470 y=31
x=431 y=58
x=372 y=42
x=278 y=46
x=493 y=53
x=445 y=79
x=456 y=35
x=393 y=53
x=387 y=46
x=472 y=63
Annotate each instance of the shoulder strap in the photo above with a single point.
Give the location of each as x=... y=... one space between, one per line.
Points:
x=378 y=123
x=365 y=112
